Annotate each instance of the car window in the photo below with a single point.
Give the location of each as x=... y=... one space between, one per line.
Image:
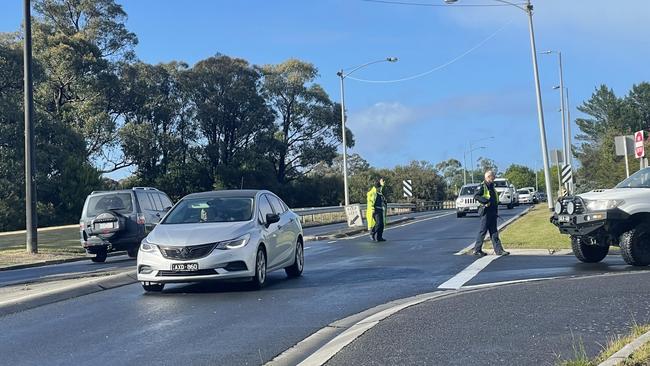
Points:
x=119 y=202
x=275 y=203
x=211 y=209
x=145 y=202
x=523 y=191
x=157 y=205
x=165 y=201
x=468 y=191
x=500 y=183
x=264 y=207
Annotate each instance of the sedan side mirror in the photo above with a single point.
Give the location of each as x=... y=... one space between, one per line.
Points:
x=272 y=219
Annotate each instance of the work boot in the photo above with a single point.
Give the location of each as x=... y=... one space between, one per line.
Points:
x=372 y=236
x=381 y=239
x=504 y=253
x=480 y=253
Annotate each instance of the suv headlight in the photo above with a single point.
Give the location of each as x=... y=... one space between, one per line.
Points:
x=148 y=247
x=235 y=243
x=601 y=205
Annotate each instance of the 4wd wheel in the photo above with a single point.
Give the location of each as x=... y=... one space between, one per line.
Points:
x=635 y=245
x=588 y=253
x=260 y=269
x=133 y=252
x=100 y=257
x=152 y=286
x=295 y=270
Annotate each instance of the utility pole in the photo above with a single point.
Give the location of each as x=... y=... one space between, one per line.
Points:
x=30 y=188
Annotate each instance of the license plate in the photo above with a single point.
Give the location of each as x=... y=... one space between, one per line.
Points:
x=185 y=267
x=105 y=225
x=564 y=218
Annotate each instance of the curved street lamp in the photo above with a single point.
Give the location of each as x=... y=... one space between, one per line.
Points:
x=472 y=160
x=528 y=9
x=342 y=75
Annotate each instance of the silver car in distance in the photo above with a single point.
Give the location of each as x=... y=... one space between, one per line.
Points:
x=222 y=235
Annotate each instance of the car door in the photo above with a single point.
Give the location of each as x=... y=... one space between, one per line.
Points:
x=286 y=234
x=270 y=232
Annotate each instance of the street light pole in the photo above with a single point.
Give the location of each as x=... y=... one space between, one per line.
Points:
x=569 y=138
x=342 y=75
x=30 y=190
x=565 y=134
x=540 y=111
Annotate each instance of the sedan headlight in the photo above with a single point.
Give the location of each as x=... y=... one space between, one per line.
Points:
x=601 y=205
x=235 y=243
x=148 y=247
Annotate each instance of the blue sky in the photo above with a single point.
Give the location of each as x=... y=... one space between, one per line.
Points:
x=489 y=92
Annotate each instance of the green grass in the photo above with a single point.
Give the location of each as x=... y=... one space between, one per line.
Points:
x=52 y=245
x=534 y=231
x=639 y=358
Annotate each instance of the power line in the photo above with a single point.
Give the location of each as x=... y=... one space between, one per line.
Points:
x=457 y=58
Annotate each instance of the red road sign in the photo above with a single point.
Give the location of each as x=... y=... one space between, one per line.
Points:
x=639 y=150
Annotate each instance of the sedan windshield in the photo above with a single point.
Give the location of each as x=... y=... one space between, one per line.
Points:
x=640 y=179
x=523 y=191
x=500 y=183
x=211 y=209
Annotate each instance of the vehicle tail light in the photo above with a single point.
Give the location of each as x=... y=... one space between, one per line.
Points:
x=141 y=220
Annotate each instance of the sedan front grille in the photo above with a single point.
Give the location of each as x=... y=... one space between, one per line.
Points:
x=188 y=252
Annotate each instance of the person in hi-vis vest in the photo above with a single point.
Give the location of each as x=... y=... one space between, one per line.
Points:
x=488 y=197
x=376 y=211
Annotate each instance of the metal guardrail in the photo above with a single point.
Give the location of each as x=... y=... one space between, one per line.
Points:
x=330 y=213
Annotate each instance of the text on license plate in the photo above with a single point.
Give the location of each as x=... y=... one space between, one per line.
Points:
x=564 y=218
x=185 y=267
x=104 y=225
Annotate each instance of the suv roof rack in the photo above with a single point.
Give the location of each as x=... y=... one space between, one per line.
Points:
x=145 y=188
x=94 y=192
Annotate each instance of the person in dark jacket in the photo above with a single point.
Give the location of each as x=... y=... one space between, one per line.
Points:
x=487 y=196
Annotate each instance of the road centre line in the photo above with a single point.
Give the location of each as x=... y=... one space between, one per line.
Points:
x=400 y=226
x=468 y=273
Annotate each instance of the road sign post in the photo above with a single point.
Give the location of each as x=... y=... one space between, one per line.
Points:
x=639 y=149
x=625 y=146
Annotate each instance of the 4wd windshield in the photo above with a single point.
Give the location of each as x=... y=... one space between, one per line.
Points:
x=211 y=209
x=640 y=179
x=501 y=183
x=523 y=191
x=119 y=202
x=467 y=191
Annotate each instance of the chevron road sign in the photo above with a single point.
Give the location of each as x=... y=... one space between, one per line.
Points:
x=567 y=174
x=407 y=187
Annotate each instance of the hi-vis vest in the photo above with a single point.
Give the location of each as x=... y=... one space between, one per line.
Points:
x=487 y=195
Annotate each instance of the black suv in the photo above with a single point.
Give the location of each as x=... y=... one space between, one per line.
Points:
x=119 y=220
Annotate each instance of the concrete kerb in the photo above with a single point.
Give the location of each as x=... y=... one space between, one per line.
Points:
x=83 y=288
x=626 y=351
x=351 y=232
x=56 y=261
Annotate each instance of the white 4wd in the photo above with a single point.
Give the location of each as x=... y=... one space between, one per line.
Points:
x=601 y=218
x=506 y=192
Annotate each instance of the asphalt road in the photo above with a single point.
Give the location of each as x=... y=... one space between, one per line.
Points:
x=226 y=323
x=522 y=324
x=123 y=262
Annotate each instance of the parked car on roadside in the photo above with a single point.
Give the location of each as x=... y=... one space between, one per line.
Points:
x=119 y=220
x=230 y=234
x=465 y=203
x=534 y=194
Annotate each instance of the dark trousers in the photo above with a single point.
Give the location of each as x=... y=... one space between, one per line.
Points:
x=378 y=229
x=489 y=223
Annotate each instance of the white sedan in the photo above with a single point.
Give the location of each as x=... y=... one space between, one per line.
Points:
x=222 y=235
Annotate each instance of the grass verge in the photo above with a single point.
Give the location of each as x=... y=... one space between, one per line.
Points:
x=639 y=358
x=534 y=231
x=57 y=244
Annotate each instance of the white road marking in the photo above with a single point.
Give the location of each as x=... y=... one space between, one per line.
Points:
x=399 y=226
x=331 y=242
x=494 y=284
x=468 y=273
